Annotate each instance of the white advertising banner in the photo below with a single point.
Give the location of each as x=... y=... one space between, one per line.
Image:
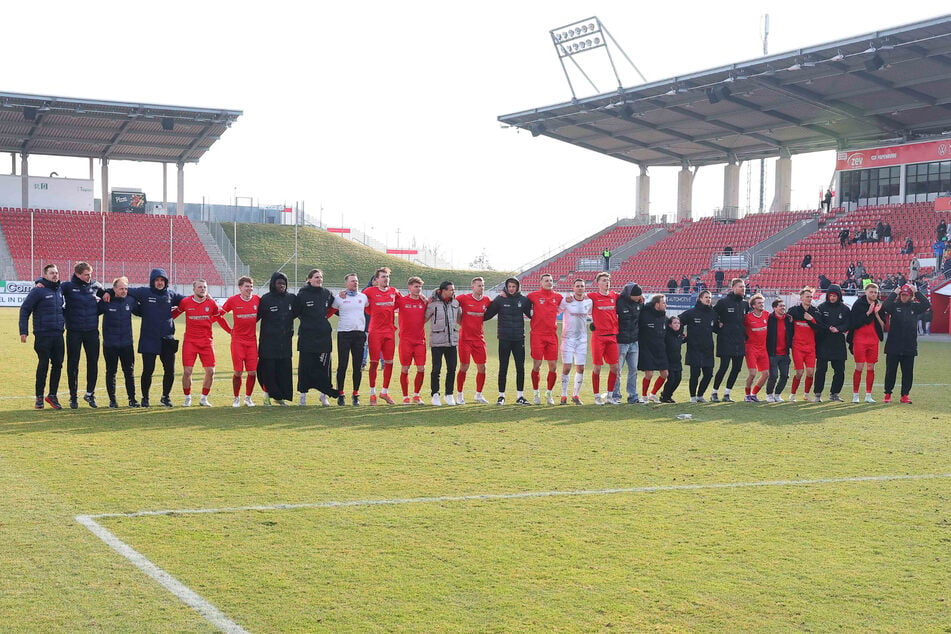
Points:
x=74 y=194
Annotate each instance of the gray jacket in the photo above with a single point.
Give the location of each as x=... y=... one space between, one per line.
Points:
x=443 y=320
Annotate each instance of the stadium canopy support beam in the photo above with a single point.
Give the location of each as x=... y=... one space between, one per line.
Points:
x=783 y=197
x=642 y=210
x=105 y=205
x=25 y=180
x=164 y=187
x=684 y=193
x=91 y=163
x=731 y=189
x=180 y=207
x=13 y=164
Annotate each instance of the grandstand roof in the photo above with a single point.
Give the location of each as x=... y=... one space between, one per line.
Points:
x=62 y=126
x=889 y=86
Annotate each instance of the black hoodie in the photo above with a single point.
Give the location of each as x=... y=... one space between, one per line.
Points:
x=276 y=314
x=512 y=311
x=831 y=345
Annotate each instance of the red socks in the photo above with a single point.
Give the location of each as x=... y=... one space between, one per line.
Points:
x=658 y=384
x=552 y=378
x=236 y=384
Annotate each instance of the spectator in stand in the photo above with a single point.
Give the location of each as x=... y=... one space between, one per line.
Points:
x=699 y=324
x=887 y=233
x=45 y=304
x=718 y=278
x=859 y=271
x=673 y=340
x=684 y=284
x=942 y=230
x=827 y=200
x=914 y=269
x=81 y=295
x=850 y=271
x=834 y=320
x=672 y=286
x=938 y=249
x=779 y=337
x=900 y=279
x=909 y=247
x=850 y=285
x=880 y=230
x=924 y=322
x=901 y=347
x=844 y=238
x=824 y=282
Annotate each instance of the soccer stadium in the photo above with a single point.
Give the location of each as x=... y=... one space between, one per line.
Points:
x=368 y=447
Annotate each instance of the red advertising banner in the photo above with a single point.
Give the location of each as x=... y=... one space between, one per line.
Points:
x=338 y=229
x=895 y=155
x=402 y=251
x=942 y=204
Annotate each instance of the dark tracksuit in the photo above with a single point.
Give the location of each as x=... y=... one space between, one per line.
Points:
x=82 y=331
x=45 y=304
x=157 y=331
x=831 y=346
x=275 y=348
x=699 y=324
x=314 y=340
x=731 y=339
x=901 y=346
x=512 y=311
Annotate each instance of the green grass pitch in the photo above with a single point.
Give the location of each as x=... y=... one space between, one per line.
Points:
x=834 y=554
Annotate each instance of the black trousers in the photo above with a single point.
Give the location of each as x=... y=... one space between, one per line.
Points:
x=700 y=376
x=49 y=353
x=517 y=350
x=838 y=375
x=350 y=352
x=169 y=348
x=277 y=377
x=450 y=354
x=113 y=356
x=674 y=377
x=734 y=371
x=778 y=373
x=77 y=341
x=314 y=372
x=907 y=363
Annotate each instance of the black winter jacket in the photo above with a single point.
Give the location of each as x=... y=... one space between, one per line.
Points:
x=903 y=323
x=731 y=312
x=512 y=311
x=699 y=323
x=772 y=326
x=832 y=345
x=859 y=318
x=652 y=355
x=310 y=306
x=673 y=340
x=276 y=314
x=628 y=312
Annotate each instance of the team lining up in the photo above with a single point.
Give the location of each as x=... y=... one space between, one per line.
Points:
x=625 y=330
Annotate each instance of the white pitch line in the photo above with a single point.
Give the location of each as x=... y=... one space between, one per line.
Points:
x=522 y=495
x=188 y=596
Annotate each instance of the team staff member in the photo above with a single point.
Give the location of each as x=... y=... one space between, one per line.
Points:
x=45 y=304
x=244 y=338
x=604 y=348
x=574 y=339
x=351 y=308
x=275 y=349
x=731 y=337
x=443 y=314
x=901 y=346
x=543 y=341
x=382 y=331
x=512 y=308
x=117 y=339
x=629 y=305
x=805 y=318
x=835 y=318
x=779 y=339
x=312 y=306
x=412 y=323
x=699 y=324
x=81 y=295
x=673 y=340
x=200 y=313
x=157 y=332
x=653 y=352
x=866 y=332
x=757 y=356
x=472 y=338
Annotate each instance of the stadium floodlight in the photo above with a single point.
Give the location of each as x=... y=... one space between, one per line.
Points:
x=583 y=36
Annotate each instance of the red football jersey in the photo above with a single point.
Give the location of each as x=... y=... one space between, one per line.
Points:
x=245 y=313
x=545 y=313
x=412 y=319
x=472 y=312
x=604 y=313
x=199 y=317
x=382 y=309
x=756 y=330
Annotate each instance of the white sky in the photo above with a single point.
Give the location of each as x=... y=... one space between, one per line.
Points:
x=385 y=112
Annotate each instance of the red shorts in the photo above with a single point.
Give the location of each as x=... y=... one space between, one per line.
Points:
x=544 y=348
x=244 y=355
x=473 y=349
x=412 y=353
x=604 y=350
x=190 y=352
x=865 y=351
x=757 y=359
x=803 y=358
x=381 y=345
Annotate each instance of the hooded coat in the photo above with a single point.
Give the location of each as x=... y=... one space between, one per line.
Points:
x=276 y=314
x=628 y=313
x=156 y=309
x=652 y=353
x=832 y=345
x=699 y=323
x=512 y=311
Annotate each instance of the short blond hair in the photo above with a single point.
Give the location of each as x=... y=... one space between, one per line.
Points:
x=414 y=280
x=598 y=277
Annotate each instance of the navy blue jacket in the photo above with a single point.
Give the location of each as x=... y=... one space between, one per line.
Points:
x=117 y=321
x=45 y=303
x=82 y=312
x=156 y=306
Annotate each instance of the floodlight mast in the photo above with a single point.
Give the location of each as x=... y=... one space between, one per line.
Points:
x=580 y=37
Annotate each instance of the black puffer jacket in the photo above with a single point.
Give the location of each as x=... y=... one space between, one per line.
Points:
x=699 y=323
x=276 y=314
x=512 y=311
x=731 y=312
x=310 y=307
x=45 y=303
x=903 y=323
x=832 y=345
x=82 y=312
x=628 y=313
x=652 y=355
